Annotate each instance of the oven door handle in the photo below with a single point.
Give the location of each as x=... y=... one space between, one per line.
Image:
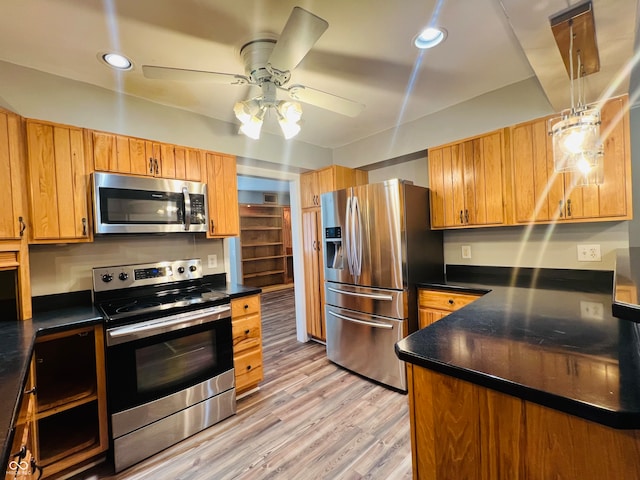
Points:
x=187 y=208
x=150 y=328
x=372 y=296
x=362 y=322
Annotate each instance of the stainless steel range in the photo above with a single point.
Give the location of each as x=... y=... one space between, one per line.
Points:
x=169 y=355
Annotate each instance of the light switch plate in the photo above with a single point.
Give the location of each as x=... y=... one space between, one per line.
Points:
x=212 y=261
x=466 y=251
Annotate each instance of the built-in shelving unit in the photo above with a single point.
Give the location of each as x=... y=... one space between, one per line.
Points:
x=262 y=240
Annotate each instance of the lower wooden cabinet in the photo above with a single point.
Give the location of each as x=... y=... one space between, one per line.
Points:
x=436 y=304
x=71 y=410
x=313 y=273
x=23 y=463
x=462 y=430
x=247 y=342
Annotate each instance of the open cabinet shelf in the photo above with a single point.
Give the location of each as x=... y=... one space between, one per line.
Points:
x=262 y=241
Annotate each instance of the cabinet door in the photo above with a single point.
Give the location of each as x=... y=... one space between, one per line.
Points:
x=59 y=201
x=312 y=283
x=309 y=189
x=427 y=316
x=184 y=163
x=222 y=190
x=488 y=165
x=12 y=214
x=436 y=187
x=446 y=181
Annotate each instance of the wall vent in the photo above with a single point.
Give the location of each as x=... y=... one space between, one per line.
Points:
x=270 y=198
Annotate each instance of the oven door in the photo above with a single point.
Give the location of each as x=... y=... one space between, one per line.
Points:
x=157 y=358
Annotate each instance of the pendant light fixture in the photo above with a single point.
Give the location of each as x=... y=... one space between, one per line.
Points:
x=577 y=146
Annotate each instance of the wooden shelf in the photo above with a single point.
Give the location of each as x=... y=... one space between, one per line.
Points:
x=243 y=229
x=74 y=398
x=262 y=239
x=254 y=259
x=262 y=274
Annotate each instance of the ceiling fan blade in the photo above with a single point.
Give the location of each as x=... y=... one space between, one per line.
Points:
x=325 y=100
x=302 y=31
x=182 y=75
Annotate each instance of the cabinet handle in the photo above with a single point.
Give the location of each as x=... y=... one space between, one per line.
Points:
x=212 y=227
x=568 y=207
x=314 y=245
x=35 y=467
x=155 y=166
x=23 y=226
x=466 y=216
x=560 y=207
x=150 y=165
x=461 y=221
x=33 y=391
x=84 y=226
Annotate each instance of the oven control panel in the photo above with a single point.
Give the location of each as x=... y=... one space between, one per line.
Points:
x=138 y=275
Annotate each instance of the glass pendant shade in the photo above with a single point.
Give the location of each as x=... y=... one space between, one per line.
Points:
x=576 y=140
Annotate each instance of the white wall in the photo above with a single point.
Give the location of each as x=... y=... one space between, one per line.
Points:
x=415 y=170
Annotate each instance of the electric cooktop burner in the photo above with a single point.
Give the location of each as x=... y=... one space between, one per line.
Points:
x=134 y=293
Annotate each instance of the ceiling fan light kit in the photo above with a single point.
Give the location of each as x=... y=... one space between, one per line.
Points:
x=577 y=146
x=268 y=64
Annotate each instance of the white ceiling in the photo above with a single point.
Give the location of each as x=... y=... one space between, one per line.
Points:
x=365 y=55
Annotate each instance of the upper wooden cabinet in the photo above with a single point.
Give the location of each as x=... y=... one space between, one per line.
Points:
x=13 y=215
x=467 y=182
x=222 y=190
x=58 y=182
x=122 y=154
x=335 y=177
x=541 y=196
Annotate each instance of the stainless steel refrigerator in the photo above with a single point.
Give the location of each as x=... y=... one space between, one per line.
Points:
x=377 y=244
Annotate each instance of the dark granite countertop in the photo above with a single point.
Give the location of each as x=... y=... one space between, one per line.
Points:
x=17 y=340
x=550 y=340
x=627 y=284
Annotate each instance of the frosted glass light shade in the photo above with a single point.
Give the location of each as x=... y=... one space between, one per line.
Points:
x=576 y=141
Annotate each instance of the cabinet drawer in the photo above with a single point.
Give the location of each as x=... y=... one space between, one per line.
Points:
x=246 y=333
x=245 y=306
x=248 y=369
x=449 y=301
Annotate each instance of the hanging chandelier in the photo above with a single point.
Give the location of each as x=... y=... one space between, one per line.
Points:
x=577 y=146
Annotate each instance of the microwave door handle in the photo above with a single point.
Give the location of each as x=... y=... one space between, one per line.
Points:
x=187 y=208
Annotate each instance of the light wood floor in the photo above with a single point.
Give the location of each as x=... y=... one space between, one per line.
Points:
x=309 y=420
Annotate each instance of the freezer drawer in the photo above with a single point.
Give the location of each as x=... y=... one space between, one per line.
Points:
x=376 y=301
x=365 y=344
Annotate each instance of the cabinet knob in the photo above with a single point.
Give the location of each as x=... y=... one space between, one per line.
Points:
x=246 y=332
x=248 y=367
x=246 y=305
x=451 y=301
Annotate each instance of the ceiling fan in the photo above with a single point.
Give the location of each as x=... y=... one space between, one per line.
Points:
x=268 y=64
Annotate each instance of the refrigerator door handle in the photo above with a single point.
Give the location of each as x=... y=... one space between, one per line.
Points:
x=373 y=296
x=357 y=237
x=347 y=235
x=363 y=322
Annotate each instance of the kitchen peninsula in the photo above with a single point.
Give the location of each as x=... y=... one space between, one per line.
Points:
x=534 y=380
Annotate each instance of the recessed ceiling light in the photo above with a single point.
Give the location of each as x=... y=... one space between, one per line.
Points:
x=118 y=61
x=430 y=37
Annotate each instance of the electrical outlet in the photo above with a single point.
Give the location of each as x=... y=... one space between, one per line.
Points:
x=212 y=261
x=589 y=253
x=466 y=251
x=591 y=310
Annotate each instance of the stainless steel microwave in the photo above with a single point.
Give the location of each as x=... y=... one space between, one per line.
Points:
x=128 y=204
